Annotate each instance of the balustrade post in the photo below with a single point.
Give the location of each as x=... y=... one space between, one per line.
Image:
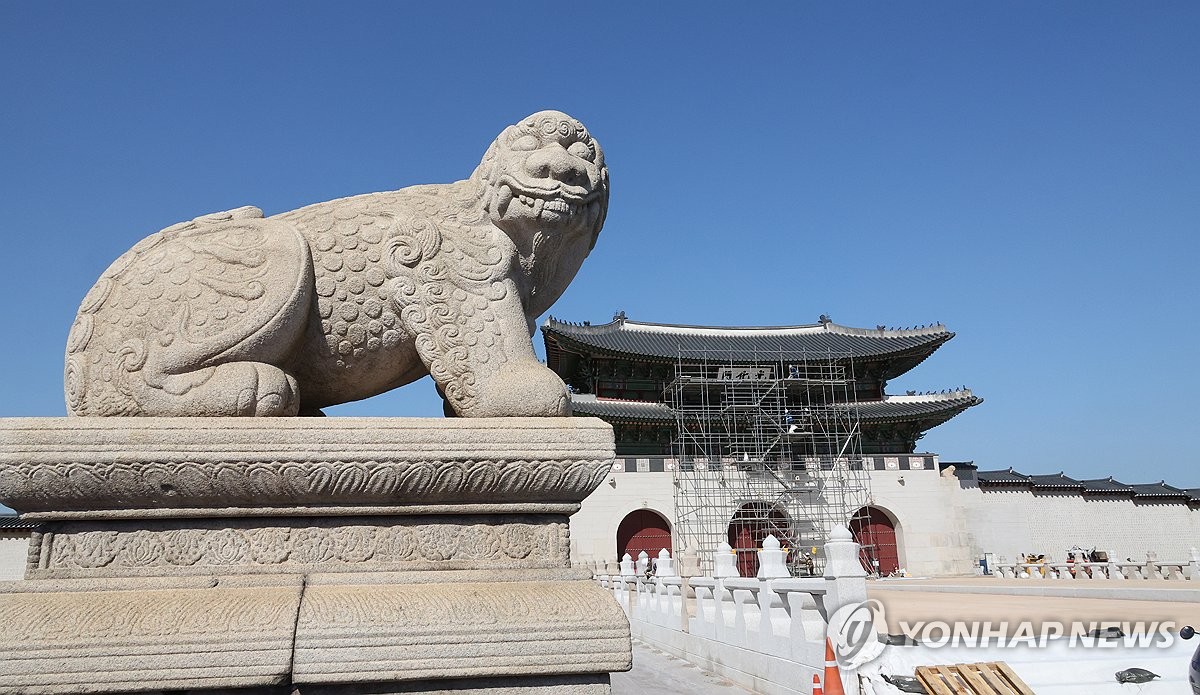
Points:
x=725 y=568
x=771 y=560
x=689 y=566
x=725 y=562
x=747 y=620
x=664 y=566
x=846 y=581
x=707 y=610
x=627 y=569
x=643 y=561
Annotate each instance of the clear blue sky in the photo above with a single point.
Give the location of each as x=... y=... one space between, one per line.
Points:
x=1026 y=173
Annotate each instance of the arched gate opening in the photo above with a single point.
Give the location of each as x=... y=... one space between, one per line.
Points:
x=752 y=523
x=875 y=531
x=643 y=529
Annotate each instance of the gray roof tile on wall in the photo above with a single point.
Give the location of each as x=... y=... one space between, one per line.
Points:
x=1056 y=481
x=1159 y=489
x=11 y=521
x=1106 y=486
x=1005 y=476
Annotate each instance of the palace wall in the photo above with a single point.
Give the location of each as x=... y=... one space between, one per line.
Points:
x=944 y=525
x=1011 y=522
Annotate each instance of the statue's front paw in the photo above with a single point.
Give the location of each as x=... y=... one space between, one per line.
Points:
x=523 y=390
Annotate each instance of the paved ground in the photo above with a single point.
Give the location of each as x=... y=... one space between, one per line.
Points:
x=661 y=674
x=930 y=604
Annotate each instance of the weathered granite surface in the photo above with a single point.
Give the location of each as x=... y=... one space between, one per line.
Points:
x=73 y=467
x=234 y=313
x=420 y=556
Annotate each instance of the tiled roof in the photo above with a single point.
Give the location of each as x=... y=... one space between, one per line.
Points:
x=1100 y=486
x=891 y=409
x=588 y=404
x=916 y=407
x=1105 y=486
x=14 y=522
x=1002 y=477
x=1056 y=481
x=1159 y=489
x=748 y=344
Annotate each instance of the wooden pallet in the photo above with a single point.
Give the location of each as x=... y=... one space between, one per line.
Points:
x=991 y=678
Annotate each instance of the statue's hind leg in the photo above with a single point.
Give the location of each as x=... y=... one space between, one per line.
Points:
x=231 y=389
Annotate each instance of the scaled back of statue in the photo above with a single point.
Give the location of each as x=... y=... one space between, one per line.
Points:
x=237 y=314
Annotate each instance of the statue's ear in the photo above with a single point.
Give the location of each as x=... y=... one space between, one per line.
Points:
x=485 y=174
x=599 y=223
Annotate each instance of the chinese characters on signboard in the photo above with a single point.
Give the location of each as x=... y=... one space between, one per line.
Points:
x=766 y=373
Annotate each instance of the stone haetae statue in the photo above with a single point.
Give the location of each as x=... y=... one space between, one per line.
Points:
x=237 y=314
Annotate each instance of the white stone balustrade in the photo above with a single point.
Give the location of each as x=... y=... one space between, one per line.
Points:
x=772 y=625
x=643 y=561
x=664 y=566
x=1100 y=571
x=627 y=569
x=772 y=560
x=725 y=562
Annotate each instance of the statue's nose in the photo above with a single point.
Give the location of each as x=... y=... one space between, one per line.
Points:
x=556 y=163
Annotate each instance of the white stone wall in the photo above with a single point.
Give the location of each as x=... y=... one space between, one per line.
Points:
x=932 y=533
x=943 y=528
x=14 y=549
x=594 y=526
x=1009 y=523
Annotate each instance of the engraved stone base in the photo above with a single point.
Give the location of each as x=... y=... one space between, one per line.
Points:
x=420 y=556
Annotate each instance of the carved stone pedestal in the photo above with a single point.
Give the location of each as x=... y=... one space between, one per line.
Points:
x=311 y=556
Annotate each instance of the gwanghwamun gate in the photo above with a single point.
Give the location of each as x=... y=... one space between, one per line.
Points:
x=731 y=434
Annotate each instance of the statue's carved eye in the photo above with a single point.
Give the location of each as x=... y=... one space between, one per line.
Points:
x=526 y=143
x=581 y=150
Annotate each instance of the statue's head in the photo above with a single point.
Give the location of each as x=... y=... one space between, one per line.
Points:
x=545 y=175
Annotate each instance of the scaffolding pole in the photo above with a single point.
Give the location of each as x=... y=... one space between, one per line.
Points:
x=766 y=443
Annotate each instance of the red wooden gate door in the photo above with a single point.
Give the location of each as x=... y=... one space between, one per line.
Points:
x=643 y=530
x=752 y=523
x=874 y=530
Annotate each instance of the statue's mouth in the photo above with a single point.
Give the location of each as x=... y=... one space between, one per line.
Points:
x=551 y=205
x=549 y=209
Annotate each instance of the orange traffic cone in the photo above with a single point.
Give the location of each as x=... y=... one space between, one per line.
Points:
x=833 y=677
x=817 y=685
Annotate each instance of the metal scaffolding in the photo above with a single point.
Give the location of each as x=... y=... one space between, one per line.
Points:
x=765 y=443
